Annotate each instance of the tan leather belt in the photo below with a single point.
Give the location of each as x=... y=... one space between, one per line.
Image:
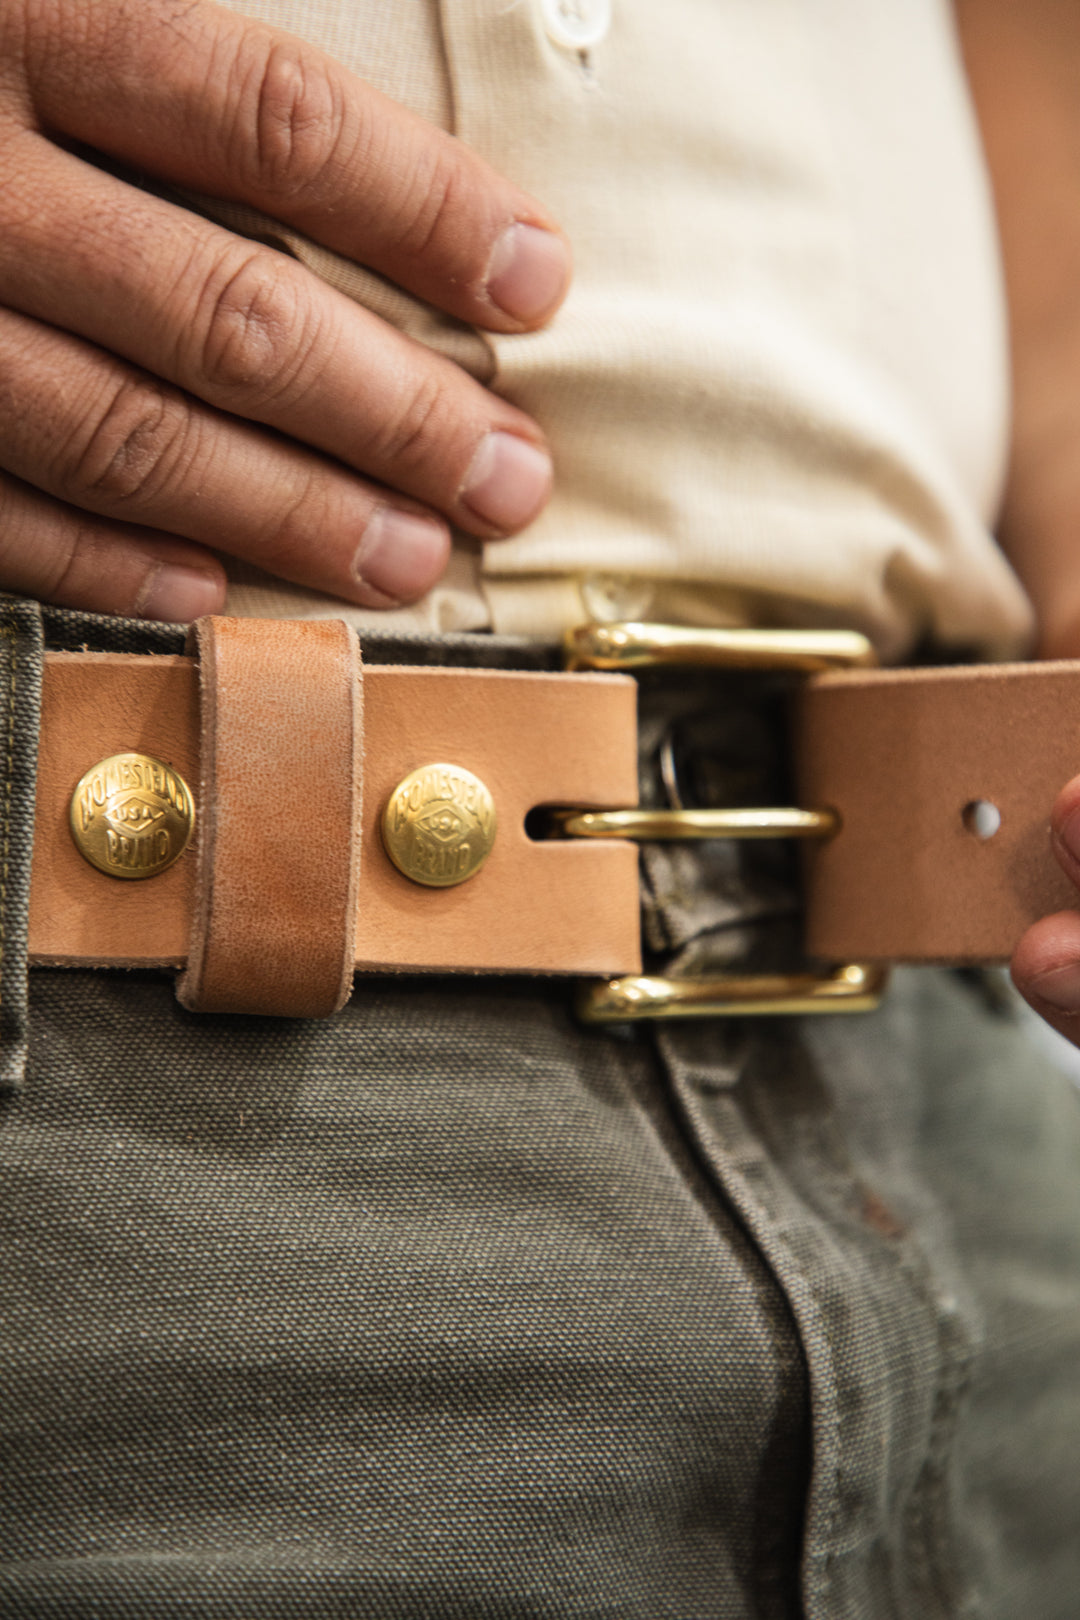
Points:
x=293 y=754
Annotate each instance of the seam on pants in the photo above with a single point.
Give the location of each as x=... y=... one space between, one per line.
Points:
x=20 y=644
x=9 y=635
x=746 y=1186
x=928 y=1514
x=746 y=1177
x=769 y=1231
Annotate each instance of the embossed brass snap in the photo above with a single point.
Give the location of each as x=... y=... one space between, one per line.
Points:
x=131 y=816
x=439 y=825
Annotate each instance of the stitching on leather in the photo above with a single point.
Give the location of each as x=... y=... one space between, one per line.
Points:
x=9 y=634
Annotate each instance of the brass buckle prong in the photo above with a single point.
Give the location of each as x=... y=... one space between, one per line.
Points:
x=855 y=987
x=670 y=826
x=852 y=987
x=642 y=646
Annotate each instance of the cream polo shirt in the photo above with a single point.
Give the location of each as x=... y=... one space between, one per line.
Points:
x=777 y=392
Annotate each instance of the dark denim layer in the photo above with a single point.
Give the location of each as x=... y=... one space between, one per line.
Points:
x=448 y=1306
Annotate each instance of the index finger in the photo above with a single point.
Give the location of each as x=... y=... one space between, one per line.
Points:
x=204 y=98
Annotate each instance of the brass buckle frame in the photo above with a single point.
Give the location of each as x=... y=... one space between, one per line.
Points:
x=852 y=987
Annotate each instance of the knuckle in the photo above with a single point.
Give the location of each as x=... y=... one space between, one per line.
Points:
x=251 y=333
x=128 y=453
x=286 y=537
x=412 y=439
x=294 y=116
x=67 y=564
x=431 y=208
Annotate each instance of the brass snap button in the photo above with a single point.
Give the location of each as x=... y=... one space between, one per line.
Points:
x=439 y=825
x=131 y=816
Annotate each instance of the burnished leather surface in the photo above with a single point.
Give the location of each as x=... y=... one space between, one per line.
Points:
x=274 y=925
x=94 y=704
x=901 y=754
x=534 y=738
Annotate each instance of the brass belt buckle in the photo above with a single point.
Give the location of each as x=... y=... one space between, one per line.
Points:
x=851 y=987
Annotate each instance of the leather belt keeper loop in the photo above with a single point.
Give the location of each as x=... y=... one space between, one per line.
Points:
x=898 y=758
x=279 y=848
x=533 y=738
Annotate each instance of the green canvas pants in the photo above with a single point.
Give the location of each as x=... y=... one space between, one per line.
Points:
x=448 y=1306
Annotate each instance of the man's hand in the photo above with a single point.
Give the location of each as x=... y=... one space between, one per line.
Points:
x=166 y=386
x=1046 y=963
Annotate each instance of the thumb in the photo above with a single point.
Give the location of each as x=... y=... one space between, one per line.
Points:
x=1046 y=962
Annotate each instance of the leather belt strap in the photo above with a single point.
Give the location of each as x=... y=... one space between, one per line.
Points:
x=537 y=907
x=275 y=907
x=903 y=755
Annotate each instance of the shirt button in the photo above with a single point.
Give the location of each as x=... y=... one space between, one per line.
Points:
x=610 y=597
x=576 y=24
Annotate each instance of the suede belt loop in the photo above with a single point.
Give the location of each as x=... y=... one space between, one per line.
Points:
x=279 y=843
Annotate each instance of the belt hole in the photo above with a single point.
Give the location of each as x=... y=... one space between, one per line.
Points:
x=982 y=819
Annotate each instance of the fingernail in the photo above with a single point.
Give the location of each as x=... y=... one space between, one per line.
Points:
x=401 y=554
x=179 y=595
x=1070 y=835
x=1060 y=988
x=528 y=272
x=507 y=482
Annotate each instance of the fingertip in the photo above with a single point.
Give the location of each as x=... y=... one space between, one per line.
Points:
x=1045 y=965
x=508 y=482
x=1065 y=816
x=1065 y=830
x=528 y=274
x=401 y=555
x=177 y=594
